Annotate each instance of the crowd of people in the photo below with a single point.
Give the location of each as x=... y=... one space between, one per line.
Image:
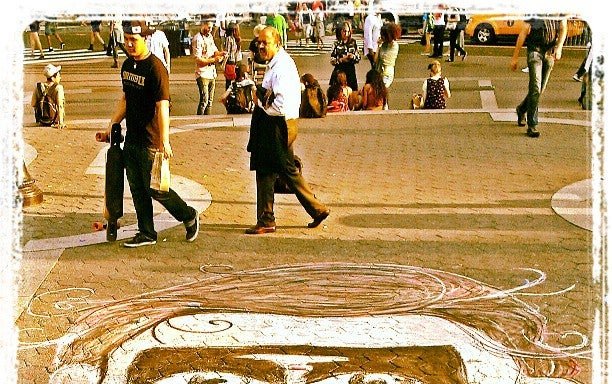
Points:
x=276 y=100
x=380 y=47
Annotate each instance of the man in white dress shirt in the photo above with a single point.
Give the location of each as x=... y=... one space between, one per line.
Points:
x=273 y=131
x=159 y=45
x=371 y=33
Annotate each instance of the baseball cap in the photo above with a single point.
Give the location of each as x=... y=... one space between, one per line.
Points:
x=137 y=27
x=50 y=70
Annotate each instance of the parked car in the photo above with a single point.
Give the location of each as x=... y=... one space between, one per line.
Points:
x=177 y=33
x=410 y=23
x=491 y=28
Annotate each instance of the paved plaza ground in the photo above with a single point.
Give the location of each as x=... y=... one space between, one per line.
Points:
x=446 y=216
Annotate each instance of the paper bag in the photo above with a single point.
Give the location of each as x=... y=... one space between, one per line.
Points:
x=160 y=173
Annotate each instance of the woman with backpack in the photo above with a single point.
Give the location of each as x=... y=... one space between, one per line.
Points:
x=48 y=99
x=238 y=97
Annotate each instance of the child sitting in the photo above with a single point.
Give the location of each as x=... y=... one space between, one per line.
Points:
x=436 y=88
x=338 y=94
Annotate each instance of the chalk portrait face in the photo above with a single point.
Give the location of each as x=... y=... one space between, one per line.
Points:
x=332 y=324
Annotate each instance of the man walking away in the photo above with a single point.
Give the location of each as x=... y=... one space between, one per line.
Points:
x=144 y=104
x=273 y=131
x=51 y=30
x=544 y=38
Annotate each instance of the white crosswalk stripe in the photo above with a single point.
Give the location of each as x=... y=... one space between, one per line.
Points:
x=293 y=48
x=296 y=50
x=58 y=55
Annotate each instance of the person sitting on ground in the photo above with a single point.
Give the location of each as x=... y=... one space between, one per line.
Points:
x=313 y=103
x=50 y=111
x=338 y=94
x=436 y=88
x=238 y=98
x=373 y=95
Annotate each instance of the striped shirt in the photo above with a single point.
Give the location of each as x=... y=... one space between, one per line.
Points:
x=543 y=34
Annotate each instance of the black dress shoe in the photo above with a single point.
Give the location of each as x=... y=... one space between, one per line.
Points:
x=319 y=219
x=260 y=230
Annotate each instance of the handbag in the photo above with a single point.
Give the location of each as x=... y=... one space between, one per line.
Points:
x=160 y=173
x=230 y=71
x=415 y=101
x=280 y=186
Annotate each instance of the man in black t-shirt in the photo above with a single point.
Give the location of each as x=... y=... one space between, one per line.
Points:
x=145 y=107
x=544 y=38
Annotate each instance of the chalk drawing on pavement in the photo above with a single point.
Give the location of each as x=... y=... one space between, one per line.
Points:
x=325 y=323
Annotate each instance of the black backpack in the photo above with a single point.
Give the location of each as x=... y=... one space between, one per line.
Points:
x=240 y=99
x=45 y=110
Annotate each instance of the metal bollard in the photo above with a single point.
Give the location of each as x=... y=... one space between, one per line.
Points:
x=28 y=190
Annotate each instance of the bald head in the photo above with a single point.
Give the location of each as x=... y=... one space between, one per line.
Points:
x=269 y=43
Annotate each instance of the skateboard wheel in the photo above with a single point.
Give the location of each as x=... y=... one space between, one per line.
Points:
x=102 y=137
x=98 y=225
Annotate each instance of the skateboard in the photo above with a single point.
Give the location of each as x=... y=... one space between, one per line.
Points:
x=113 y=181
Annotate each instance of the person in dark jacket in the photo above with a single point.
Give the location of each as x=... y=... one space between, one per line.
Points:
x=273 y=132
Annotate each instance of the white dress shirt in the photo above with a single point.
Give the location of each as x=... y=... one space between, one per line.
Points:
x=157 y=44
x=371 y=33
x=283 y=79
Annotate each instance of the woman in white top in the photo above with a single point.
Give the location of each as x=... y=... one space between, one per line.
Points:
x=388 y=51
x=305 y=20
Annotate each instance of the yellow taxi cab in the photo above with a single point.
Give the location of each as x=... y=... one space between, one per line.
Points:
x=490 y=28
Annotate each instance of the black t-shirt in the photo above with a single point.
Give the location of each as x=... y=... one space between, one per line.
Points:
x=145 y=82
x=543 y=34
